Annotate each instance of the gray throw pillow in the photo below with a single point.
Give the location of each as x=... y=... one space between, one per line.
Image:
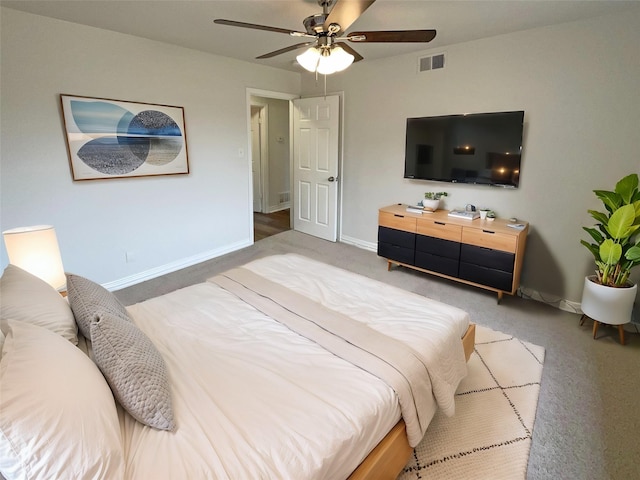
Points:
x=134 y=369
x=87 y=298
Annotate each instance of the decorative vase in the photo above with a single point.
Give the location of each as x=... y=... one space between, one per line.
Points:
x=610 y=305
x=431 y=205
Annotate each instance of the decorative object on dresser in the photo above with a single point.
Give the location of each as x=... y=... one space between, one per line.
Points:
x=431 y=201
x=475 y=252
x=608 y=296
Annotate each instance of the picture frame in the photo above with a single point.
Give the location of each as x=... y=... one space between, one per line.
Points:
x=109 y=138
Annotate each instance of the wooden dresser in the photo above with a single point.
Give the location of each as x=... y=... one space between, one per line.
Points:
x=487 y=254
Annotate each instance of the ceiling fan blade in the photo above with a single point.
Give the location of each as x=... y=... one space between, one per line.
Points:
x=233 y=23
x=285 y=50
x=392 y=36
x=347 y=48
x=346 y=12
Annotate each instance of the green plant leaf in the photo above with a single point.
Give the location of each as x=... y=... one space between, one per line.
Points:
x=633 y=254
x=599 y=217
x=627 y=187
x=610 y=252
x=595 y=234
x=595 y=251
x=621 y=221
x=611 y=200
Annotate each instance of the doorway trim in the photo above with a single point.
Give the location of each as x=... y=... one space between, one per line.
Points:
x=255 y=92
x=263 y=132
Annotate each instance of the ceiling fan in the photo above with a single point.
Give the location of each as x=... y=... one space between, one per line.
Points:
x=327 y=53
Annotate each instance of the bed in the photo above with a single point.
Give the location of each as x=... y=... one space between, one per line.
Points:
x=284 y=368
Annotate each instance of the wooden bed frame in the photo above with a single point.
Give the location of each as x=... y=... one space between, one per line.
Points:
x=387 y=459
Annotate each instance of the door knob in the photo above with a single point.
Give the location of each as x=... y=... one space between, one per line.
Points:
x=332 y=179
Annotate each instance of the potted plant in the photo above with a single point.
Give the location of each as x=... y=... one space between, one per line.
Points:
x=432 y=200
x=491 y=215
x=608 y=296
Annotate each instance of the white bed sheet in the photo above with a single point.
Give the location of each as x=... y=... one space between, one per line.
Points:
x=254 y=400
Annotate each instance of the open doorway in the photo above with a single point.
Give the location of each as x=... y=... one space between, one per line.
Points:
x=270 y=165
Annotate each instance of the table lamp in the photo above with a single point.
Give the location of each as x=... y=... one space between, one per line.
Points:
x=35 y=249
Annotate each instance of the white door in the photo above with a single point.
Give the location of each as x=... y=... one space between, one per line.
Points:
x=256 y=156
x=316 y=123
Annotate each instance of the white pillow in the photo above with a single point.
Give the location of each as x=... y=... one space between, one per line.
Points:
x=59 y=417
x=25 y=297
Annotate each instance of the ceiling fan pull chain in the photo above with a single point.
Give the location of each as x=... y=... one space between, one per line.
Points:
x=325 y=88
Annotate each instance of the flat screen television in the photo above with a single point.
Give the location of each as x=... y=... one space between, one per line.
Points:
x=479 y=148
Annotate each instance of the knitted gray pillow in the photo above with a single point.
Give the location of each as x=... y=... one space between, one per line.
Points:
x=134 y=370
x=87 y=298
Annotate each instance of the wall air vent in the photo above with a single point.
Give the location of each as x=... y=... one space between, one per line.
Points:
x=432 y=62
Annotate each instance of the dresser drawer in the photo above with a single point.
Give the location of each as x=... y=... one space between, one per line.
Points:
x=437 y=229
x=436 y=246
x=486 y=276
x=487 y=257
x=395 y=252
x=436 y=263
x=485 y=237
x=396 y=237
x=397 y=221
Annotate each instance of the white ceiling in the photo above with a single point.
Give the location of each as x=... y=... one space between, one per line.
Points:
x=189 y=23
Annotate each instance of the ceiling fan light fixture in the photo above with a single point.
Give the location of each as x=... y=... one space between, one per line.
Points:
x=325 y=62
x=340 y=58
x=309 y=59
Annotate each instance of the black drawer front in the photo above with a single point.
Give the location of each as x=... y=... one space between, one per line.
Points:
x=437 y=246
x=397 y=237
x=436 y=263
x=487 y=257
x=394 y=252
x=486 y=276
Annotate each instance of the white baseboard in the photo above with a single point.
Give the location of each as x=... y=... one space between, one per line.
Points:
x=549 y=299
x=174 y=266
x=371 y=246
x=278 y=208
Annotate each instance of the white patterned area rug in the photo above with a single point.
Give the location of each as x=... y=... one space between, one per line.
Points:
x=489 y=437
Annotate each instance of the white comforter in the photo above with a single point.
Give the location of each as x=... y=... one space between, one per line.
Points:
x=254 y=400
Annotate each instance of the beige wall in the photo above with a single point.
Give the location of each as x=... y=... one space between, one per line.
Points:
x=579 y=91
x=163 y=222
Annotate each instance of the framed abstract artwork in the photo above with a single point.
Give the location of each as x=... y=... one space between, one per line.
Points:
x=119 y=139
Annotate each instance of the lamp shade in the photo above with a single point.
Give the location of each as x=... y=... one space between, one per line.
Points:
x=35 y=249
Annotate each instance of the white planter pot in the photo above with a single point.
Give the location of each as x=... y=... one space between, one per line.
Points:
x=609 y=305
x=431 y=204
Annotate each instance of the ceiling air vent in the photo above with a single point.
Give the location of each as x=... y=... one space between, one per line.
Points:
x=432 y=62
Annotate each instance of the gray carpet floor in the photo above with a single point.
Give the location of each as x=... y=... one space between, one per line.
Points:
x=588 y=419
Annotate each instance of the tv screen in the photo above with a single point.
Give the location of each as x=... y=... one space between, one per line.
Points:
x=480 y=148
